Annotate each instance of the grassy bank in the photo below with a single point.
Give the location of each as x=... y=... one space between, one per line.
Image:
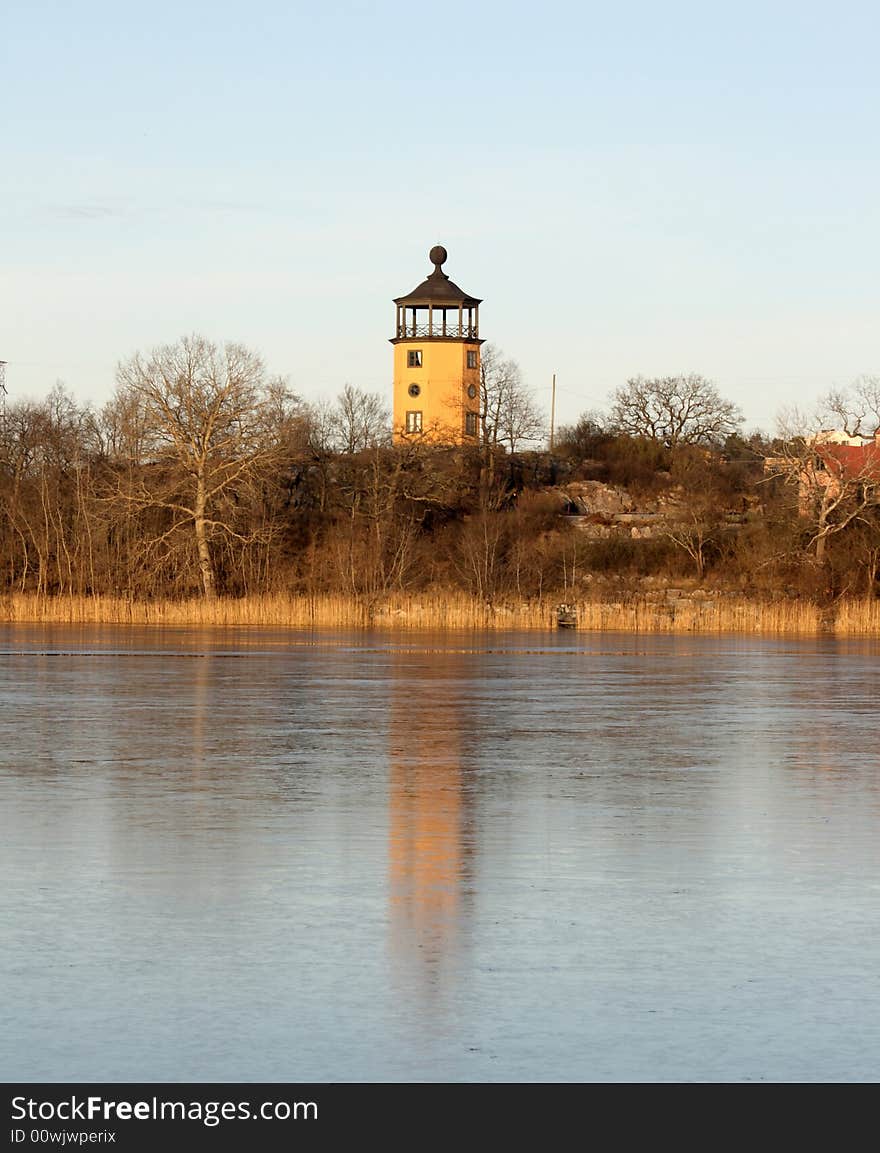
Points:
x=456 y=611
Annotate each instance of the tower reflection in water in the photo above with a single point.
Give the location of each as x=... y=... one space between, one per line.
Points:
x=431 y=813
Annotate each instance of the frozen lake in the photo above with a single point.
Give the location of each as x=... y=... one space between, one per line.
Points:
x=252 y=855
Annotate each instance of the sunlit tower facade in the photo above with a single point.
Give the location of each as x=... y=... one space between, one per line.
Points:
x=437 y=361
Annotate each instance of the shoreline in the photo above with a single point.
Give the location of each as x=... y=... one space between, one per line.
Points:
x=706 y=613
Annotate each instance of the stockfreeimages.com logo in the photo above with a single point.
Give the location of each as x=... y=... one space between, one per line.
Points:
x=156 y=1109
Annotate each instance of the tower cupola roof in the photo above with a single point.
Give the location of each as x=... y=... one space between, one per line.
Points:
x=437 y=288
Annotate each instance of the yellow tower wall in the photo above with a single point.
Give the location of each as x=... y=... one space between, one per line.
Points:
x=443 y=380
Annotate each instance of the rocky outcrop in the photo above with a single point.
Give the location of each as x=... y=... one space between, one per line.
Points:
x=591 y=497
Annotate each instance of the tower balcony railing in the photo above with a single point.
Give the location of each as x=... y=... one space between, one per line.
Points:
x=431 y=331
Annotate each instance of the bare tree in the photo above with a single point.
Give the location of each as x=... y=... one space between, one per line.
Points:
x=362 y=420
x=837 y=481
x=696 y=515
x=580 y=440
x=320 y=422
x=854 y=411
x=497 y=376
x=522 y=421
x=123 y=430
x=674 y=410
x=46 y=530
x=694 y=531
x=209 y=417
x=508 y=411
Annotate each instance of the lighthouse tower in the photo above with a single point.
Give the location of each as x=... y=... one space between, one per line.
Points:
x=437 y=361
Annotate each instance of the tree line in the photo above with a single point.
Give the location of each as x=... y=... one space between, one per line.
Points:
x=206 y=475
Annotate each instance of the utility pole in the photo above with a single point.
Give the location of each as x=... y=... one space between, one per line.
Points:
x=553 y=412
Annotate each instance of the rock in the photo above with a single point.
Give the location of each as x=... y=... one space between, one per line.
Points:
x=591 y=496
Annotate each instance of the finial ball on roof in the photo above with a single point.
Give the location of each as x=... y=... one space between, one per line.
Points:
x=438 y=255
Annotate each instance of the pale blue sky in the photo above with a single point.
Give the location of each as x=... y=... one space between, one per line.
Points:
x=632 y=187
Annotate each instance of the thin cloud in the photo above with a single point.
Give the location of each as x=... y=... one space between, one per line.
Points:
x=112 y=209
x=230 y=206
x=84 y=210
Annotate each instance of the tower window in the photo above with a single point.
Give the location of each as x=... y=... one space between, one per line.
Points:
x=472 y=391
x=471 y=359
x=470 y=423
x=413 y=422
x=414 y=390
x=414 y=358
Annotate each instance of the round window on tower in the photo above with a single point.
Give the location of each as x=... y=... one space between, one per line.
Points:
x=472 y=391
x=414 y=390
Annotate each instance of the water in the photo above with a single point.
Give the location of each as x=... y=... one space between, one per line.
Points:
x=247 y=855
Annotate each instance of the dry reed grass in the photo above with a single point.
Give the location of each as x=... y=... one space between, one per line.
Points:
x=441 y=611
x=857 y=618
